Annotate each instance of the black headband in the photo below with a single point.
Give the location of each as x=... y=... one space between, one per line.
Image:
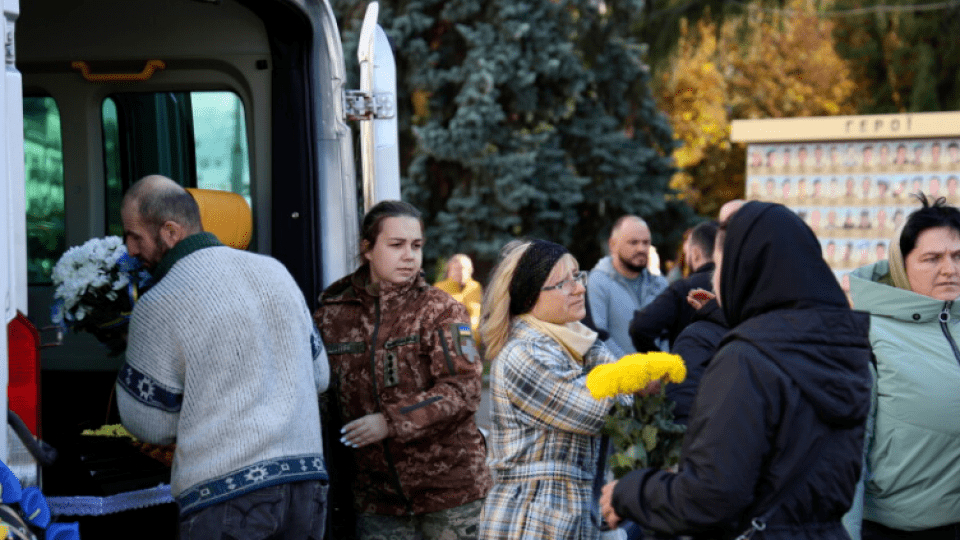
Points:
x=531 y=273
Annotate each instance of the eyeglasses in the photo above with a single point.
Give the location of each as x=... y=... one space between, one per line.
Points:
x=568 y=285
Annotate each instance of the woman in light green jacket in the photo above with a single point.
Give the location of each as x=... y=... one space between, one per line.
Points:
x=913 y=455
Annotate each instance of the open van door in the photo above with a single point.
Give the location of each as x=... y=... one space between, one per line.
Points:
x=7 y=219
x=13 y=287
x=375 y=105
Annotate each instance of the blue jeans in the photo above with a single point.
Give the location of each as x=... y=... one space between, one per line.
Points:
x=286 y=511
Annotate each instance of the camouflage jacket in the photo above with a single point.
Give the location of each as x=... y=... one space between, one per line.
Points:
x=408 y=353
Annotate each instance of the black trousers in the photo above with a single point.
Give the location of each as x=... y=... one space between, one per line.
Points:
x=875 y=531
x=294 y=511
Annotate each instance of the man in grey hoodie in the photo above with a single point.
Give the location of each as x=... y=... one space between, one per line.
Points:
x=620 y=283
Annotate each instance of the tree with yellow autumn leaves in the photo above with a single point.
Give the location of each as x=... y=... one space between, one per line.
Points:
x=764 y=63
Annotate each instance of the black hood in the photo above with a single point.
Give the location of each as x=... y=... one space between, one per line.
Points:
x=772 y=260
x=778 y=293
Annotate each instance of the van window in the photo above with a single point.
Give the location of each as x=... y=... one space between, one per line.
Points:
x=198 y=138
x=111 y=167
x=43 y=172
x=220 y=138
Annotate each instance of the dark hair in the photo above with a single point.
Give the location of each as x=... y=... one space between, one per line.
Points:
x=373 y=221
x=179 y=207
x=930 y=215
x=158 y=199
x=704 y=235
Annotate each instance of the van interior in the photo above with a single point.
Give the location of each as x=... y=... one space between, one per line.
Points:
x=216 y=94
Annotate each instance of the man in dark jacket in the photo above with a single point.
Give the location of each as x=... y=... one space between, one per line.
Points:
x=669 y=313
x=776 y=430
x=696 y=344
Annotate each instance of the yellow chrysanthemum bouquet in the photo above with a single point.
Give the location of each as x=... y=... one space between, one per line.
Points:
x=643 y=433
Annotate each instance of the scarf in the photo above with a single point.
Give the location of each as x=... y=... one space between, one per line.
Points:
x=575 y=337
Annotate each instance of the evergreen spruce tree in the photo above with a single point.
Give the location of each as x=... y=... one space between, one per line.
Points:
x=530 y=118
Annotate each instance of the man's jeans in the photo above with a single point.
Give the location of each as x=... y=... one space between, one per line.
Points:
x=287 y=511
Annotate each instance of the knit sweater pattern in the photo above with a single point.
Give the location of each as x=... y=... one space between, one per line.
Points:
x=223 y=359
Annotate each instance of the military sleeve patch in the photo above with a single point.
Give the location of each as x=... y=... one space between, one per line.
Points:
x=465 y=343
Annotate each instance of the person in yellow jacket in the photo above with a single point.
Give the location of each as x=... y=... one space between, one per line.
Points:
x=459 y=284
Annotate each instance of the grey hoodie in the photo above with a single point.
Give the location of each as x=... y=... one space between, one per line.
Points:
x=613 y=301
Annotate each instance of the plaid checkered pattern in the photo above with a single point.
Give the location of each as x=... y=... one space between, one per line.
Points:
x=544 y=441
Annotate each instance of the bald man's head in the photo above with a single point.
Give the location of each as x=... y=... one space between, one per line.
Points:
x=630 y=246
x=729 y=208
x=158 y=199
x=157 y=214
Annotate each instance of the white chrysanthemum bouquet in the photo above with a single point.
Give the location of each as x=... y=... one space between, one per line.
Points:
x=96 y=286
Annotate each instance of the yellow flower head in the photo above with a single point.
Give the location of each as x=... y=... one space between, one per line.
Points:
x=633 y=373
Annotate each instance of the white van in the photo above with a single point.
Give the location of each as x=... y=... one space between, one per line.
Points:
x=245 y=96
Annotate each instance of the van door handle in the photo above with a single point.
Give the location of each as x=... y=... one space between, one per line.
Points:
x=148 y=71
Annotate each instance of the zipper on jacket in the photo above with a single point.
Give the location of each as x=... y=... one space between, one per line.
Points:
x=944 y=319
x=376 y=395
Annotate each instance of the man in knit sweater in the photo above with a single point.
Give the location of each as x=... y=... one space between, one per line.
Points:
x=224 y=360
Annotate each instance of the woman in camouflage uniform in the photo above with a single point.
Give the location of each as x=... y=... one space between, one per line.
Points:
x=407 y=373
x=546 y=425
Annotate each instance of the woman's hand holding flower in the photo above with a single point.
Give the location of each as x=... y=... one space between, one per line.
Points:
x=642 y=431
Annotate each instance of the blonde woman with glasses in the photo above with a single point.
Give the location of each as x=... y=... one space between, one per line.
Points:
x=545 y=438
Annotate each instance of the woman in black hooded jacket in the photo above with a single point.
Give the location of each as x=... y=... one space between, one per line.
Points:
x=776 y=430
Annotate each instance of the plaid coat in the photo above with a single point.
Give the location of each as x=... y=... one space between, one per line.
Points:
x=545 y=440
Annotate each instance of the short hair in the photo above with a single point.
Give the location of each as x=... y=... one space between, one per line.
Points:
x=704 y=235
x=373 y=221
x=931 y=214
x=159 y=199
